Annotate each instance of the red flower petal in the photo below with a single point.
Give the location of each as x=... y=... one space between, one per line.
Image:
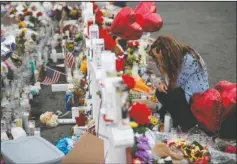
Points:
x=99 y=20
x=39 y=14
x=137 y=44
x=230 y=149
x=129 y=81
x=130 y=44
x=140 y=113
x=120 y=64
x=33 y=7
x=99 y=13
x=121 y=53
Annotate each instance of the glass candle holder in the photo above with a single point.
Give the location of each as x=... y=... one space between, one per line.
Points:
x=37 y=132
x=31 y=127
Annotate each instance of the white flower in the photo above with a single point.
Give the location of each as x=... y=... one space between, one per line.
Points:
x=59 y=5
x=49 y=119
x=20 y=7
x=35 y=7
x=47 y=6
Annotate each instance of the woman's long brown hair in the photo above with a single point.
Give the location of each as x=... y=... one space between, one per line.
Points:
x=173 y=53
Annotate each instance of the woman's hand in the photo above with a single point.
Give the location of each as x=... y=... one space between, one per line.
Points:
x=162 y=87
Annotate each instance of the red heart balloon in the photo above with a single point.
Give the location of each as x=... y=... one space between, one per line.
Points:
x=108 y=40
x=133 y=32
x=125 y=26
x=207 y=108
x=152 y=22
x=227 y=91
x=145 y=7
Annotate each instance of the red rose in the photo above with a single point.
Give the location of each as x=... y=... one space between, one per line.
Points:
x=120 y=64
x=171 y=143
x=121 y=53
x=33 y=7
x=99 y=20
x=39 y=14
x=230 y=149
x=204 y=160
x=137 y=44
x=129 y=81
x=99 y=13
x=140 y=114
x=130 y=44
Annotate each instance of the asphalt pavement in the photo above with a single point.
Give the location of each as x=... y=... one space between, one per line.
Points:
x=208 y=27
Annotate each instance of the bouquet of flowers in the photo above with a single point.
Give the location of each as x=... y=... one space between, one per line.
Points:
x=80 y=88
x=49 y=119
x=194 y=152
x=142 y=151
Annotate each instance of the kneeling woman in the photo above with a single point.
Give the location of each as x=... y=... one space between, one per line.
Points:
x=183 y=74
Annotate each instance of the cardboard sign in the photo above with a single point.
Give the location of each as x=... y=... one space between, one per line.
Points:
x=89 y=149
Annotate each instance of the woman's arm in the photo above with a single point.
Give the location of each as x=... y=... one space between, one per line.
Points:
x=189 y=67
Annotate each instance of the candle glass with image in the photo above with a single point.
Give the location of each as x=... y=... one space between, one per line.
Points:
x=31 y=127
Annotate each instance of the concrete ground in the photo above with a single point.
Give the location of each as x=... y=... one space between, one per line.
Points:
x=209 y=27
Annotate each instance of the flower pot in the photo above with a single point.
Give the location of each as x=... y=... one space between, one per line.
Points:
x=81 y=120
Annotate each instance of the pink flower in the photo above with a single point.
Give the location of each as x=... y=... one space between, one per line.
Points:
x=230 y=149
x=33 y=7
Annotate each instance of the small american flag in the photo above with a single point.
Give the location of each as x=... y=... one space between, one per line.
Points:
x=51 y=77
x=69 y=60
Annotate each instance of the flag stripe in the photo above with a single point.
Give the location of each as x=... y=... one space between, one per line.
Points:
x=56 y=77
x=52 y=76
x=69 y=60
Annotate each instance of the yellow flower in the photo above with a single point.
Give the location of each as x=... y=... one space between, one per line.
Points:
x=133 y=124
x=73 y=12
x=153 y=120
x=83 y=67
x=21 y=24
x=70 y=45
x=23 y=30
x=154 y=98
